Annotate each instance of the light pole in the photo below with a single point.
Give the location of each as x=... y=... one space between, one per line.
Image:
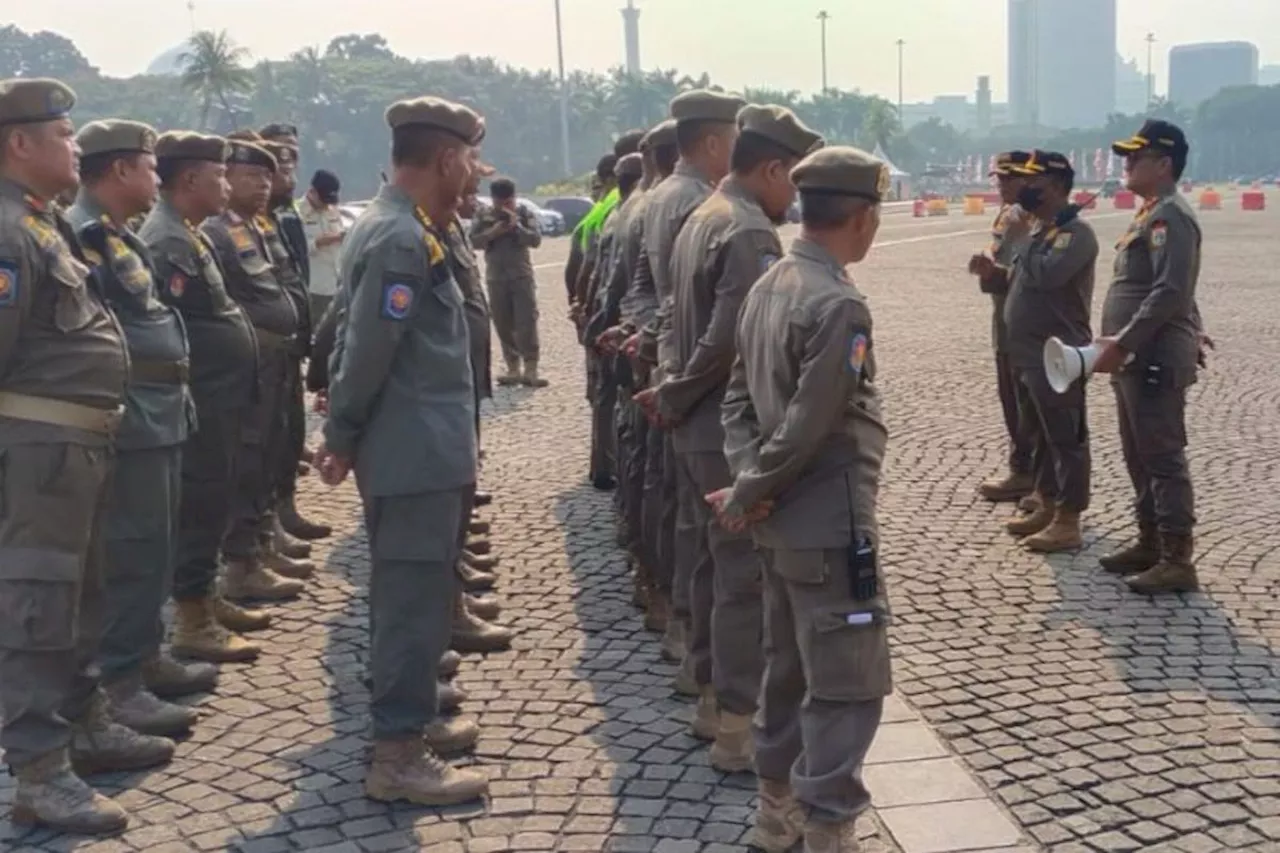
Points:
x=564 y=97
x=1151 y=80
x=823 y=17
x=901 y=44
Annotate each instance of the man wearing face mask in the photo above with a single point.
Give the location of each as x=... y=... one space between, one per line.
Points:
x=1051 y=295
x=805 y=441
x=727 y=243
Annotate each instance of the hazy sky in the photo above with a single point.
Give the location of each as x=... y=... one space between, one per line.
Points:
x=739 y=42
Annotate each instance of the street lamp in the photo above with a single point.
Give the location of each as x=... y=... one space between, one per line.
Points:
x=564 y=97
x=901 y=44
x=823 y=17
x=1151 y=80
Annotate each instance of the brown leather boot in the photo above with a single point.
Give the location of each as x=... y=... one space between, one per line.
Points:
x=408 y=770
x=1062 y=534
x=531 y=379
x=1029 y=504
x=478 y=527
x=1174 y=572
x=1009 y=488
x=131 y=704
x=449 y=663
x=296 y=525
x=294 y=549
x=1028 y=525
x=474 y=580
x=239 y=619
x=1136 y=558
x=479 y=563
x=658 y=616
x=452 y=736
x=779 y=818
x=449 y=698
x=250 y=580
x=197 y=634
x=512 y=376
x=640 y=592
x=50 y=794
x=100 y=745
x=285 y=566
x=735 y=749
x=831 y=837
x=169 y=679
x=482 y=499
x=471 y=634
x=486 y=607
x=685 y=683
x=479 y=546
x=706 y=715
x=673 y=641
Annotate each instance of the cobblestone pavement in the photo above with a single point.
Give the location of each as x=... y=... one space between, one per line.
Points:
x=1101 y=721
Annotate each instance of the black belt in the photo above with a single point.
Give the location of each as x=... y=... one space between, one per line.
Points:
x=160 y=372
x=274 y=340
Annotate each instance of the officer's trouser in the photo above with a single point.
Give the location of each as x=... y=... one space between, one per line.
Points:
x=603 y=451
x=824 y=683
x=141 y=538
x=725 y=603
x=1019 y=416
x=660 y=519
x=294 y=413
x=210 y=465
x=635 y=465
x=263 y=438
x=1153 y=436
x=514 y=306
x=622 y=449
x=414 y=544
x=1063 y=462
x=54 y=501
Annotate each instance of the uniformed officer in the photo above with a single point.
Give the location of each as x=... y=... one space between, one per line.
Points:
x=706 y=127
x=63 y=370
x=254 y=280
x=1151 y=341
x=805 y=441
x=727 y=243
x=1007 y=231
x=117 y=180
x=507 y=233
x=402 y=412
x=1051 y=295
x=223 y=356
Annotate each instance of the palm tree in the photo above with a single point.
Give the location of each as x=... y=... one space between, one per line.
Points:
x=314 y=73
x=880 y=123
x=213 y=68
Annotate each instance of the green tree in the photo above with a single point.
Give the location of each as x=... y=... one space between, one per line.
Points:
x=880 y=124
x=42 y=54
x=356 y=47
x=213 y=68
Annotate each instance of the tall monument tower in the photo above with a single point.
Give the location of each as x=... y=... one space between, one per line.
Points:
x=631 y=31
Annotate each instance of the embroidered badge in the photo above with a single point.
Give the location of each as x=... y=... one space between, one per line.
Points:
x=117 y=246
x=242 y=241
x=1159 y=234
x=8 y=283
x=857 y=353
x=1062 y=241
x=177 y=285
x=397 y=299
x=92 y=257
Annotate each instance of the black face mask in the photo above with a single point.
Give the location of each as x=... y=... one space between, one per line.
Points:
x=1030 y=198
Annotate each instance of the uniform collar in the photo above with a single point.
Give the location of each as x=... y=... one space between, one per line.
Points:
x=15 y=191
x=91 y=209
x=165 y=208
x=812 y=251
x=396 y=197
x=686 y=169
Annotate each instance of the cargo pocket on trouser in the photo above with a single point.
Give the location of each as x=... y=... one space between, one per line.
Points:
x=39 y=599
x=848 y=653
x=802 y=567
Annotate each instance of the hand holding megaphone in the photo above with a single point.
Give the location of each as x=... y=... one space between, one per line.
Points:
x=1064 y=364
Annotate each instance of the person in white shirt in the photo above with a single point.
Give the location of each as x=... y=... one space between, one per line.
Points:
x=325 y=231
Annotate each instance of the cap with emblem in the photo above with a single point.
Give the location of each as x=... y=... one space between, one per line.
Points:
x=1044 y=163
x=285 y=153
x=779 y=125
x=116 y=136
x=1007 y=160
x=1155 y=135
x=27 y=101
x=663 y=133
x=706 y=105
x=249 y=149
x=630 y=166
x=438 y=114
x=280 y=132
x=842 y=170
x=189 y=145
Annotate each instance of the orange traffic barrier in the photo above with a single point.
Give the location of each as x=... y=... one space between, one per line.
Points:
x=1253 y=200
x=974 y=205
x=936 y=207
x=1211 y=199
x=1125 y=200
x=917 y=207
x=1086 y=201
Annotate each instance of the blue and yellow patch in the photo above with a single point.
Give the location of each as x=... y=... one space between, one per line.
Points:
x=241 y=239
x=767 y=261
x=397 y=300
x=10 y=278
x=857 y=353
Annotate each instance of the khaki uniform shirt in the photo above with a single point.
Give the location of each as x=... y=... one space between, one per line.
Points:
x=252 y=279
x=507 y=254
x=1051 y=294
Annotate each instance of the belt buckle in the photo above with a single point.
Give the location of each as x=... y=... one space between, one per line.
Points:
x=111 y=419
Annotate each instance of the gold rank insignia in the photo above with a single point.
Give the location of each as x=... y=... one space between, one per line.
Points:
x=46 y=236
x=92 y=257
x=1062 y=241
x=435 y=252
x=118 y=249
x=241 y=239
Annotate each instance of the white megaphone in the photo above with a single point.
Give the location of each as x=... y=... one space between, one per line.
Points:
x=1064 y=364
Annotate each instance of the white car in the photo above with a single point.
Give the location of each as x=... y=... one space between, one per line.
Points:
x=550 y=223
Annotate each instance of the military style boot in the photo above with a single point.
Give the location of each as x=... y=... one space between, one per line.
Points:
x=658 y=617
x=479 y=563
x=50 y=794
x=447 y=738
x=1138 y=557
x=408 y=770
x=169 y=679
x=1174 y=572
x=685 y=683
x=484 y=607
x=779 y=818
x=1029 y=504
x=198 y=634
x=478 y=527
x=1006 y=489
x=640 y=593
x=131 y=704
x=482 y=499
x=298 y=526
x=449 y=698
x=472 y=634
x=531 y=379
x=294 y=549
x=250 y=580
x=474 y=580
x=831 y=837
x=99 y=745
x=706 y=715
x=284 y=565
x=673 y=641
x=735 y=749
x=512 y=376
x=1062 y=534
x=1029 y=525
x=242 y=620
x=449 y=663
x=479 y=545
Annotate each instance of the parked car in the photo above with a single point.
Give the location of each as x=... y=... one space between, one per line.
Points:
x=572 y=208
x=550 y=223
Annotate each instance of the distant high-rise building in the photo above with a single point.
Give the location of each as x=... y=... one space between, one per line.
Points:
x=1197 y=72
x=982 y=99
x=1269 y=75
x=1131 y=87
x=1062 y=68
x=631 y=32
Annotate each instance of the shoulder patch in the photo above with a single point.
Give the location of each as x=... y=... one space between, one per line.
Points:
x=9 y=281
x=397 y=300
x=857 y=353
x=1062 y=241
x=766 y=261
x=1159 y=233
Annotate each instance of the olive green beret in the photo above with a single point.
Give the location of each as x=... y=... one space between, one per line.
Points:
x=27 y=101
x=284 y=152
x=705 y=105
x=280 y=132
x=116 y=135
x=248 y=149
x=779 y=125
x=462 y=122
x=630 y=166
x=842 y=170
x=189 y=145
x=659 y=135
